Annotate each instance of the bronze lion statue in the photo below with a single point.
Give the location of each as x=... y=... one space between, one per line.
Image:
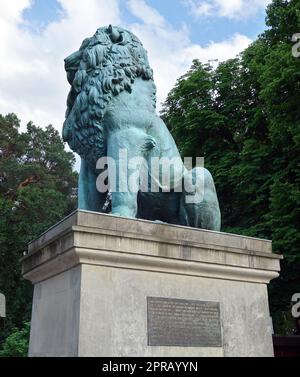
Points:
x=111 y=107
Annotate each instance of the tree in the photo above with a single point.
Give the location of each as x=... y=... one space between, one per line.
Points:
x=280 y=80
x=37 y=189
x=16 y=344
x=244 y=118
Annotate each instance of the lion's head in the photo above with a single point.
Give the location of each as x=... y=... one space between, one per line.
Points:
x=104 y=66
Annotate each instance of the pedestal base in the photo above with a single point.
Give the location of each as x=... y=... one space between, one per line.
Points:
x=95 y=275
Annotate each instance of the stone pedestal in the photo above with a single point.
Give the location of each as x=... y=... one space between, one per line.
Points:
x=111 y=286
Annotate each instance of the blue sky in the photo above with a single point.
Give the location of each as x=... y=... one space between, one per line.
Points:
x=41 y=13
x=202 y=29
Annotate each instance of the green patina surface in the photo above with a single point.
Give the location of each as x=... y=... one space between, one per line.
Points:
x=111 y=107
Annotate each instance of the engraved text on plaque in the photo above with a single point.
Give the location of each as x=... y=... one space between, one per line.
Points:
x=184 y=323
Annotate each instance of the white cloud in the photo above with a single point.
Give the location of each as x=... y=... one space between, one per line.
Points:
x=12 y=10
x=32 y=76
x=233 y=9
x=144 y=12
x=170 y=50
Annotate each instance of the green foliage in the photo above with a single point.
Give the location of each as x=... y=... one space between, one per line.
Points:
x=16 y=344
x=37 y=189
x=244 y=118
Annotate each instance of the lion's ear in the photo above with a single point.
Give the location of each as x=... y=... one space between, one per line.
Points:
x=114 y=34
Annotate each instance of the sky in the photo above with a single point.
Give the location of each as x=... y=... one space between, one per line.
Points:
x=36 y=36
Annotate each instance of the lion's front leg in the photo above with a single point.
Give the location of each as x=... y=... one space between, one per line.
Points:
x=126 y=166
x=89 y=198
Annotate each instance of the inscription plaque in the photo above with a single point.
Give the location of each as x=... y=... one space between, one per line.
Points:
x=183 y=323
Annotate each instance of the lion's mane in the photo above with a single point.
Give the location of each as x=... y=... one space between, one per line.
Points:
x=105 y=65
